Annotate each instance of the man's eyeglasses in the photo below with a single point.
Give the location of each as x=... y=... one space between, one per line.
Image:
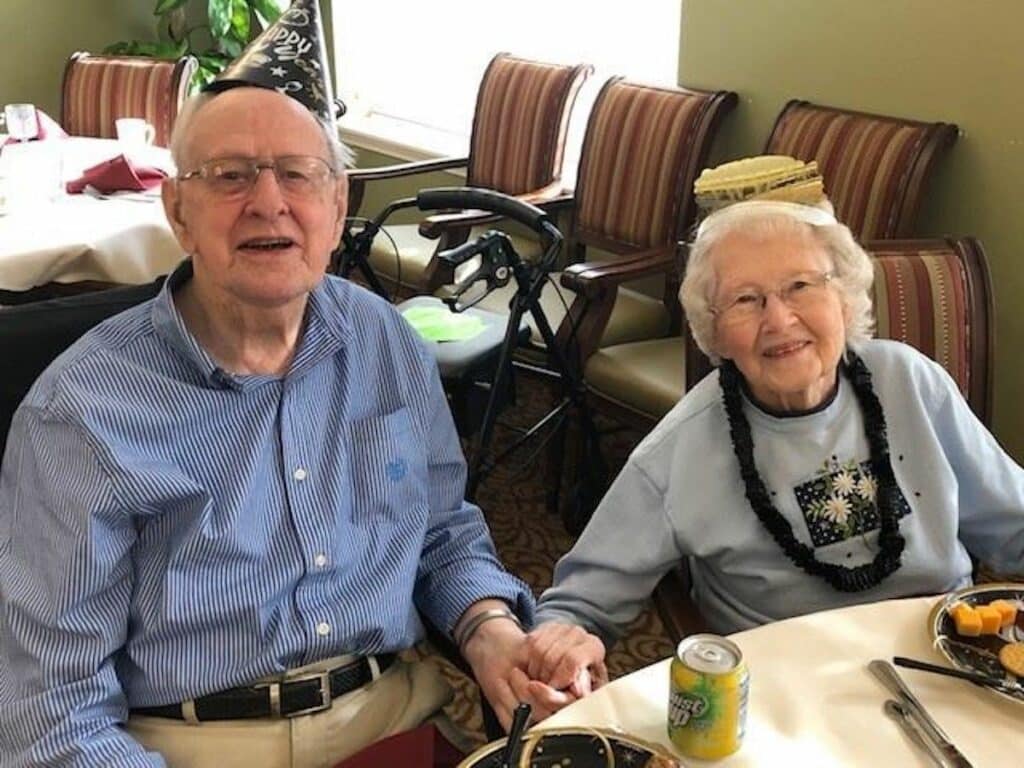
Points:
x=798 y=293
x=297 y=175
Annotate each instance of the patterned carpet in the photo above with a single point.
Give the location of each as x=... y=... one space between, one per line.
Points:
x=530 y=539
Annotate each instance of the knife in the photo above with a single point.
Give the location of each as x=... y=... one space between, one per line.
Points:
x=891 y=679
x=902 y=717
x=1005 y=686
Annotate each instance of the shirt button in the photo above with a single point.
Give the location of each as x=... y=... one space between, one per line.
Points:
x=320 y=560
x=323 y=629
x=299 y=474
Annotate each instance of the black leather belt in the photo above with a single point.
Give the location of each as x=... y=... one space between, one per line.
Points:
x=300 y=696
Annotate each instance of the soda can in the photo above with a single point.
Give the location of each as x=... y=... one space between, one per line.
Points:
x=707 y=702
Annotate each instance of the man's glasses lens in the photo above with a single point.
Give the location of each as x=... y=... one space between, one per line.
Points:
x=297 y=175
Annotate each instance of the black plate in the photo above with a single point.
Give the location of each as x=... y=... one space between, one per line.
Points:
x=579 y=748
x=979 y=654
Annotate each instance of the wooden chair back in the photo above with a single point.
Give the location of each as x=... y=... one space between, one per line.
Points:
x=875 y=166
x=97 y=90
x=520 y=123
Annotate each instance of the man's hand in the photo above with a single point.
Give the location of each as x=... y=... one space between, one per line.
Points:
x=498 y=654
x=553 y=666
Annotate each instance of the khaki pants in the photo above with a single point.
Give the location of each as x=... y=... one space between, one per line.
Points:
x=402 y=698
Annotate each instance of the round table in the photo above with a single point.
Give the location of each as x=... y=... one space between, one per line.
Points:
x=813 y=701
x=74 y=238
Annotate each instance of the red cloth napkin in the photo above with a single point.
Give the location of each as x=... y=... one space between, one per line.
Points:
x=48 y=128
x=117 y=174
x=423 y=747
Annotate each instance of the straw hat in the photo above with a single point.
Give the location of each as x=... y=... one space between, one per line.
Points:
x=766 y=177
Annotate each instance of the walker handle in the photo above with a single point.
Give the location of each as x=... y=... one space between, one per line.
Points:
x=484 y=200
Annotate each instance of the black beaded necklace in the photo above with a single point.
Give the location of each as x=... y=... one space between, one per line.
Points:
x=890 y=540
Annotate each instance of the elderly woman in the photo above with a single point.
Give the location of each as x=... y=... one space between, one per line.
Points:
x=815 y=468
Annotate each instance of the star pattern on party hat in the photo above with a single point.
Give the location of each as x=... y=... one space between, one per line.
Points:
x=288 y=57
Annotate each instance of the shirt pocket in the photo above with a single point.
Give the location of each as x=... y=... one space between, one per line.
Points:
x=389 y=467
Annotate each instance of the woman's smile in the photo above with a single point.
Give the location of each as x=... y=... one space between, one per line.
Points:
x=785 y=350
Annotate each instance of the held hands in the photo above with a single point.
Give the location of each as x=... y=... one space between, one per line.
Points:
x=553 y=666
x=566 y=657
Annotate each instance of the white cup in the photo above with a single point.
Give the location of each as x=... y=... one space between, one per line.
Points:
x=134 y=132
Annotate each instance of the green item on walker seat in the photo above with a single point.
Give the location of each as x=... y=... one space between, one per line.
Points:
x=441 y=324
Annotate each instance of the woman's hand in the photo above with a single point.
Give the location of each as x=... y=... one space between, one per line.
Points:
x=566 y=657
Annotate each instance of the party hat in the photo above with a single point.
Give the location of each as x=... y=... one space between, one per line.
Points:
x=288 y=57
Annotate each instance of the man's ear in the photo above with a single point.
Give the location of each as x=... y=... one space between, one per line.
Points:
x=170 y=195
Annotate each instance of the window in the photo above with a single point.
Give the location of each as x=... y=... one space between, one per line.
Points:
x=409 y=72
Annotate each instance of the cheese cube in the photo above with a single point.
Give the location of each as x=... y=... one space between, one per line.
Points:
x=991 y=619
x=1007 y=611
x=967 y=620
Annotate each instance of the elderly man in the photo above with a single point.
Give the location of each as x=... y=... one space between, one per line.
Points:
x=224 y=511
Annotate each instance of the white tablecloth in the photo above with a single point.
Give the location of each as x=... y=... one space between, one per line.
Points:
x=813 y=702
x=76 y=237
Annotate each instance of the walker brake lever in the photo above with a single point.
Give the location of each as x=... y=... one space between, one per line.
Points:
x=495 y=267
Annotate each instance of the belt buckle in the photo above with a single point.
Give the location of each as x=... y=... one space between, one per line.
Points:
x=324 y=679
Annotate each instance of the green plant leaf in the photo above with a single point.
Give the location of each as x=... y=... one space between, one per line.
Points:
x=266 y=10
x=230 y=47
x=219 y=12
x=240 y=20
x=201 y=78
x=164 y=49
x=120 y=48
x=164 y=6
x=211 y=64
x=213 y=61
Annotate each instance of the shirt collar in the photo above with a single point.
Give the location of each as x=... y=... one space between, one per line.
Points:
x=324 y=332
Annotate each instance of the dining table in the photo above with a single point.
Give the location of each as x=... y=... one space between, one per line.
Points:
x=813 y=701
x=50 y=236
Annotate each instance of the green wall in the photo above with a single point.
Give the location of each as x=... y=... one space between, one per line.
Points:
x=949 y=60
x=39 y=35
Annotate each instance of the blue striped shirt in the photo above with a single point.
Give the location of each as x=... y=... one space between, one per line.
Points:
x=168 y=529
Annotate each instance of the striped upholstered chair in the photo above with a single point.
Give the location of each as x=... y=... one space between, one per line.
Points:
x=935 y=295
x=516 y=147
x=875 y=167
x=643 y=147
x=98 y=90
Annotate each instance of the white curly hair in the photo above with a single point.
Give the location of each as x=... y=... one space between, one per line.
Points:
x=851 y=265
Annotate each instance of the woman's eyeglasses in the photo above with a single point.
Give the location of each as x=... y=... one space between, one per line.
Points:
x=798 y=293
x=297 y=175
